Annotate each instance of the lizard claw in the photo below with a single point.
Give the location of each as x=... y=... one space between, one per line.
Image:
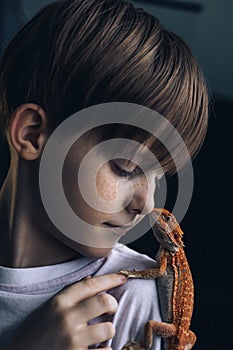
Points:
x=131 y=273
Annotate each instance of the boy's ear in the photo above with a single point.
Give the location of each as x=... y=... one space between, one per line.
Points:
x=28 y=131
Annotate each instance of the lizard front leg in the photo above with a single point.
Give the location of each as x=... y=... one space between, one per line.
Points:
x=150 y=273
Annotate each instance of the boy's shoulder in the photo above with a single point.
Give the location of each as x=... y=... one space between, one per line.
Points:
x=135 y=289
x=123 y=257
x=137 y=298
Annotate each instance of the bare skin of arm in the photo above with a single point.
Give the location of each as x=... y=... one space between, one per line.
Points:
x=61 y=323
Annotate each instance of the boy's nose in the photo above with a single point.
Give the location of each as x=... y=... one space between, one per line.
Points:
x=143 y=197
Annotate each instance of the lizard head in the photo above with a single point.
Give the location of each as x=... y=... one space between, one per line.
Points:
x=166 y=230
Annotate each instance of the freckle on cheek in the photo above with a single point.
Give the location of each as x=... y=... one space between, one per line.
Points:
x=106 y=188
x=141 y=185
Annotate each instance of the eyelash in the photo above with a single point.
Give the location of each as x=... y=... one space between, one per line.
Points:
x=124 y=173
x=121 y=172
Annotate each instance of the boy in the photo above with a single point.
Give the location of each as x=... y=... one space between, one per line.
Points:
x=72 y=55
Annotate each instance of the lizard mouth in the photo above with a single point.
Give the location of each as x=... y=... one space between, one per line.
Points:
x=163 y=232
x=166 y=240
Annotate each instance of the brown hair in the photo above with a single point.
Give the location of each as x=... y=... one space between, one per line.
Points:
x=78 y=53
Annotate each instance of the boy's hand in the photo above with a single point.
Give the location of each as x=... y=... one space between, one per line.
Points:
x=61 y=323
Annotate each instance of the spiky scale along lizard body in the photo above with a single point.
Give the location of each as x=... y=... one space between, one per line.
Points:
x=175 y=287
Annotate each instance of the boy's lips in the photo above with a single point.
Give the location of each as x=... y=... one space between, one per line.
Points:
x=119 y=229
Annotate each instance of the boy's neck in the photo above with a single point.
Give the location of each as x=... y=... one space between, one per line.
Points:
x=26 y=239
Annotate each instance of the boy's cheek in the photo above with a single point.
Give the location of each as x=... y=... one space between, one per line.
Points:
x=106 y=187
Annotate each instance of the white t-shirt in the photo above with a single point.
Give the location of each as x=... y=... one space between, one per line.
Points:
x=24 y=290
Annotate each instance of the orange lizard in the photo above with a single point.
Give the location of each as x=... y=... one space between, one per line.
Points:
x=175 y=287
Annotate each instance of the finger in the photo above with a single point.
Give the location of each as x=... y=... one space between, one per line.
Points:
x=89 y=287
x=95 y=333
x=93 y=307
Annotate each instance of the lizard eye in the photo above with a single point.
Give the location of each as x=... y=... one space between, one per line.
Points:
x=176 y=235
x=166 y=218
x=163 y=217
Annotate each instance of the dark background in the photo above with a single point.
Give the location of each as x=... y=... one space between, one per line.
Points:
x=208 y=234
x=205 y=26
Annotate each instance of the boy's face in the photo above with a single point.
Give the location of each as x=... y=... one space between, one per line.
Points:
x=112 y=194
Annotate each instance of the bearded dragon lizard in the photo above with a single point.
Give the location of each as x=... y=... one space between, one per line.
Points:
x=175 y=287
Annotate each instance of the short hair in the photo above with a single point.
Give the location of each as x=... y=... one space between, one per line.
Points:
x=78 y=53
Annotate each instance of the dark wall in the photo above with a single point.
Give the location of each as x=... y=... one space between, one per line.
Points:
x=209 y=234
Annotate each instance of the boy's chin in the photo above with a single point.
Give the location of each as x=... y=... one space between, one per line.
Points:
x=81 y=250
x=93 y=252
x=88 y=251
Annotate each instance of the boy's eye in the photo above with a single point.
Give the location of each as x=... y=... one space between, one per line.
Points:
x=121 y=172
